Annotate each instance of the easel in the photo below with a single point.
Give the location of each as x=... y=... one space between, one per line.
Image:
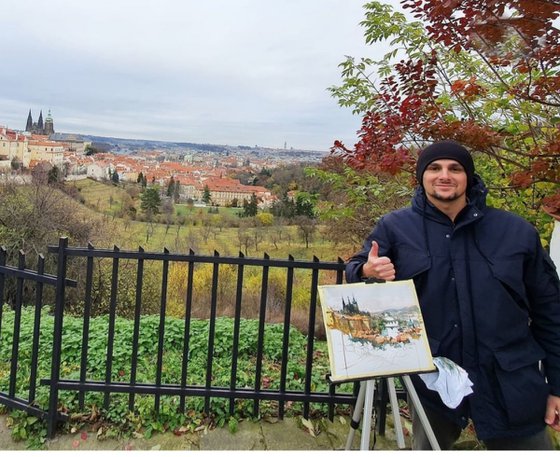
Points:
x=364 y=404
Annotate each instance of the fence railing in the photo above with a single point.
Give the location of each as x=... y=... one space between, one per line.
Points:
x=115 y=283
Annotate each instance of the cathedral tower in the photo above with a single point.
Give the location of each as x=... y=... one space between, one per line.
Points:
x=49 y=124
x=29 y=125
x=40 y=125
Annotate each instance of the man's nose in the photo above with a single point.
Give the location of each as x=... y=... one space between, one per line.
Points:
x=444 y=173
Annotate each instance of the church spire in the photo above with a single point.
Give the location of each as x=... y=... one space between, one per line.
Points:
x=40 y=121
x=29 y=125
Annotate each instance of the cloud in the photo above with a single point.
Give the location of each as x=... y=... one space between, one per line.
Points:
x=218 y=71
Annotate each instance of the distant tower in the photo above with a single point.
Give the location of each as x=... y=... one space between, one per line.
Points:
x=49 y=124
x=40 y=126
x=29 y=125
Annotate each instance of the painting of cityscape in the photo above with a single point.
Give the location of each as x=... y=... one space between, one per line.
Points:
x=374 y=330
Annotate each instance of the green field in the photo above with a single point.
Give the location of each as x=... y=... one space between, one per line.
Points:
x=199 y=229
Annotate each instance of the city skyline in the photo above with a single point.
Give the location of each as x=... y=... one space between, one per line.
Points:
x=220 y=72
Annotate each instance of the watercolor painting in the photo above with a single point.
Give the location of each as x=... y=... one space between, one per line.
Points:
x=374 y=330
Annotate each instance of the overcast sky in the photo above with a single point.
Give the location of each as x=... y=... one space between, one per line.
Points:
x=237 y=72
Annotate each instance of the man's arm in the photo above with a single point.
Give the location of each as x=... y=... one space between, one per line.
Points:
x=543 y=290
x=367 y=264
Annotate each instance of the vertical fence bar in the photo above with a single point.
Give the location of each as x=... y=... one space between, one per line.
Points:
x=57 y=336
x=211 y=333
x=2 y=283
x=286 y=335
x=85 y=325
x=36 y=330
x=311 y=335
x=340 y=273
x=17 y=327
x=111 y=331
x=186 y=334
x=332 y=392
x=236 y=329
x=260 y=340
x=136 y=331
x=161 y=339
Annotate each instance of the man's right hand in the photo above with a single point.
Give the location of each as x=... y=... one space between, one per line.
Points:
x=378 y=267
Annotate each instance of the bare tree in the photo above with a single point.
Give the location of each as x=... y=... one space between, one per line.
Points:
x=306 y=227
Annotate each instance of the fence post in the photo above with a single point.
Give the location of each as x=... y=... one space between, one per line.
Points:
x=52 y=417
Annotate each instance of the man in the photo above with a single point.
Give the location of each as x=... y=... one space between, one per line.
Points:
x=490 y=300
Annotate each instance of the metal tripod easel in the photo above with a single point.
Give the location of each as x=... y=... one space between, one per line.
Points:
x=364 y=408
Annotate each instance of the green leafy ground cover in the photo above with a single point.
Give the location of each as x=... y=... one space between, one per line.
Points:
x=118 y=420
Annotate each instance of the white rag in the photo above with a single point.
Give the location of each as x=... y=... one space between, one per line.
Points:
x=451 y=382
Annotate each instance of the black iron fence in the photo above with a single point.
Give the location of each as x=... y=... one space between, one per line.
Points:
x=114 y=283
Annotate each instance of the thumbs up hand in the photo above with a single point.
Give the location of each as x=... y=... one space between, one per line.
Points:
x=378 y=267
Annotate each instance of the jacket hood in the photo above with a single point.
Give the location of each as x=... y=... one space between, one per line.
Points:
x=476 y=204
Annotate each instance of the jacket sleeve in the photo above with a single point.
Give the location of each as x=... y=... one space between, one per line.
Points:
x=355 y=263
x=543 y=289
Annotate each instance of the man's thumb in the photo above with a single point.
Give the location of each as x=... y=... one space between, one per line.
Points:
x=374 y=249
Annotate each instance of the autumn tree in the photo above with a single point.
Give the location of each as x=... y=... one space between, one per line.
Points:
x=482 y=73
x=351 y=200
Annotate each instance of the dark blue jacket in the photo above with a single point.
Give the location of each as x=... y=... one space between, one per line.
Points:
x=490 y=300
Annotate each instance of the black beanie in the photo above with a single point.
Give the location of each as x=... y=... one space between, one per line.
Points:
x=445 y=150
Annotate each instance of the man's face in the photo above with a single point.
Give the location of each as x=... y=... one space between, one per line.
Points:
x=445 y=180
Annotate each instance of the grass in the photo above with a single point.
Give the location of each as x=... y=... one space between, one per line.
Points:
x=182 y=209
x=201 y=231
x=102 y=197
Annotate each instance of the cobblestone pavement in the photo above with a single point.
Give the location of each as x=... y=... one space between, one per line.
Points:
x=289 y=434
x=273 y=434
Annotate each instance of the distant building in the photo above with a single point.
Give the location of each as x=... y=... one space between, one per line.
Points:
x=40 y=127
x=13 y=146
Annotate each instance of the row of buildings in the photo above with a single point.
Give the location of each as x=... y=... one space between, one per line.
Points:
x=39 y=144
x=193 y=179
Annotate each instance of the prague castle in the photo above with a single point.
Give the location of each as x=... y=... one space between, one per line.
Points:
x=40 y=128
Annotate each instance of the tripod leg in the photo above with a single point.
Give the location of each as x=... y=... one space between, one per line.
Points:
x=421 y=413
x=368 y=411
x=395 y=410
x=356 y=415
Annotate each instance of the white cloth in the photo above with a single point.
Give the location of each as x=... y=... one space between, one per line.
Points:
x=555 y=245
x=451 y=382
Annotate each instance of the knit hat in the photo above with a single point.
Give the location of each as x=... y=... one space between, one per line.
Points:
x=447 y=149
